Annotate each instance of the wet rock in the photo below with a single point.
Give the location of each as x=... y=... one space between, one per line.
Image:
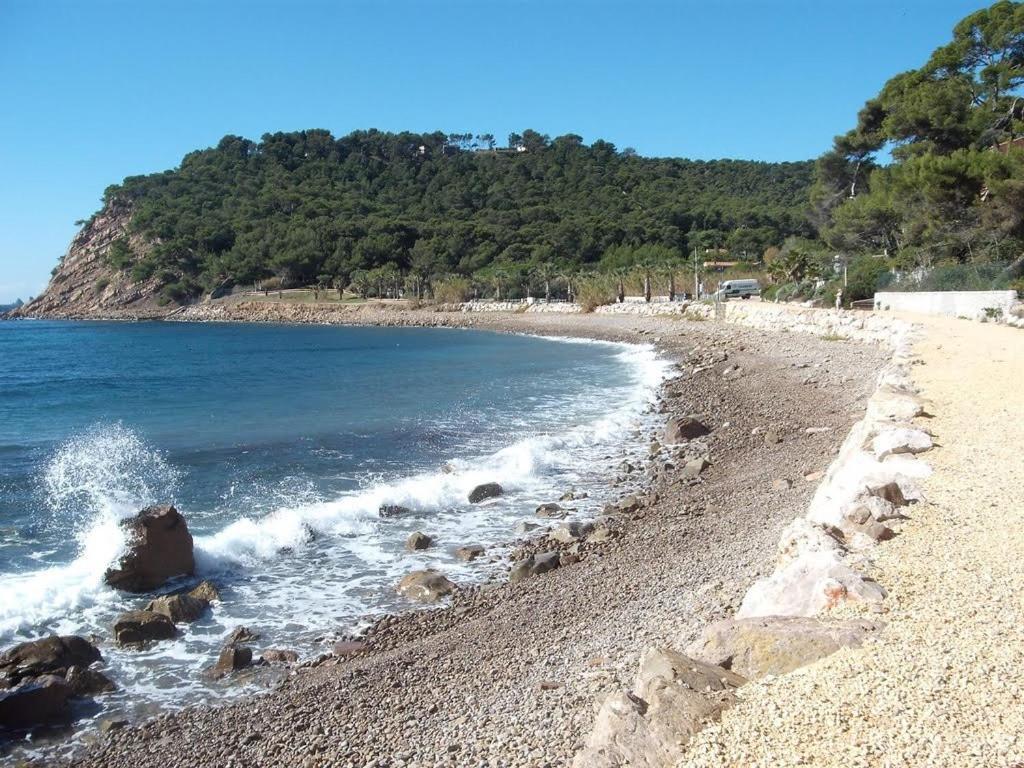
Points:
x=469 y=553
x=551 y=510
x=682 y=428
x=418 y=541
x=138 y=627
x=775 y=645
x=43 y=699
x=427 y=586
x=523 y=527
x=242 y=635
x=231 y=659
x=572 y=495
x=50 y=655
x=393 y=510
x=159 y=548
x=88 y=682
x=485 y=491
x=534 y=565
x=205 y=590
x=278 y=656
x=179 y=608
x=108 y=725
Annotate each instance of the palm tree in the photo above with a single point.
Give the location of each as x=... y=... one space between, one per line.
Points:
x=545 y=272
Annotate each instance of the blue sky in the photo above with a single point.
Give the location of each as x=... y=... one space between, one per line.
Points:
x=91 y=92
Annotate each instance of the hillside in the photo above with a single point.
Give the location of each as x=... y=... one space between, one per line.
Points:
x=305 y=208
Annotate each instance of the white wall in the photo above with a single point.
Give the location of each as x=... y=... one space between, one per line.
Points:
x=970 y=304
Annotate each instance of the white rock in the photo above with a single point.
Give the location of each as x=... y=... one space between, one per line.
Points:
x=900 y=440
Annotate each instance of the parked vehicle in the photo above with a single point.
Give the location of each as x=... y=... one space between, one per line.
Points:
x=742 y=288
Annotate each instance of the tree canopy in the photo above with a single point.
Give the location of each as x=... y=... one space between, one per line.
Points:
x=307 y=208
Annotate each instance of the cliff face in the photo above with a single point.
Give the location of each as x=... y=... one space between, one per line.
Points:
x=84 y=284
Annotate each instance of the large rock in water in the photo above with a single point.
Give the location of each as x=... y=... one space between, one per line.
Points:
x=159 y=548
x=682 y=428
x=485 y=491
x=179 y=608
x=51 y=655
x=775 y=645
x=138 y=627
x=41 y=700
x=427 y=586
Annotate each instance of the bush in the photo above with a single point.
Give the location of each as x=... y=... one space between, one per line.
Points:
x=595 y=292
x=101 y=284
x=119 y=255
x=864 y=276
x=452 y=290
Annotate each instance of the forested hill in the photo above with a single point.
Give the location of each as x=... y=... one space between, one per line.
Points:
x=307 y=207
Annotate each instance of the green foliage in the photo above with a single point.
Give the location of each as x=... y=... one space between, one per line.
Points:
x=955 y=189
x=307 y=207
x=452 y=290
x=864 y=276
x=120 y=255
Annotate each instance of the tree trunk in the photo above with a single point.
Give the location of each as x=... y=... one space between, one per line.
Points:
x=671 y=286
x=547 y=291
x=622 y=291
x=647 y=287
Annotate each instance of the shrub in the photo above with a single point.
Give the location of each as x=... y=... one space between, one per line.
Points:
x=120 y=255
x=594 y=293
x=101 y=284
x=452 y=290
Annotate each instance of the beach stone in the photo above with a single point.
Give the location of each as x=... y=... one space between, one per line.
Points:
x=469 y=553
x=887 y=404
x=108 y=725
x=627 y=504
x=900 y=440
x=418 y=541
x=573 y=495
x=693 y=468
x=178 y=608
x=775 y=645
x=683 y=428
x=600 y=535
x=159 y=548
x=873 y=507
x=205 y=590
x=42 y=699
x=534 y=565
x=891 y=492
x=393 y=510
x=231 y=659
x=427 y=586
x=278 y=656
x=241 y=635
x=50 y=655
x=772 y=437
x=568 y=533
x=88 y=682
x=343 y=649
x=137 y=627
x=782 y=484
x=523 y=527
x=485 y=491
x=551 y=509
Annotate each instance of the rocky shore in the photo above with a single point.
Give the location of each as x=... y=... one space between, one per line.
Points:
x=511 y=673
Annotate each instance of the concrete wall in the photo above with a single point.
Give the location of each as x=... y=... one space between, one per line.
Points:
x=969 y=304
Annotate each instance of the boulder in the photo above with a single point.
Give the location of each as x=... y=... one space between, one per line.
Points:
x=469 y=553
x=231 y=659
x=775 y=645
x=159 y=548
x=569 y=533
x=178 y=608
x=393 y=510
x=485 y=491
x=682 y=428
x=900 y=440
x=138 y=627
x=43 y=699
x=278 y=656
x=241 y=635
x=693 y=468
x=51 y=655
x=551 y=509
x=88 y=682
x=534 y=565
x=888 y=404
x=418 y=541
x=427 y=586
x=344 y=649
x=205 y=590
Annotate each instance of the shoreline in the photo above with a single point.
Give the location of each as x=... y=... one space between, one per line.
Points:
x=582 y=624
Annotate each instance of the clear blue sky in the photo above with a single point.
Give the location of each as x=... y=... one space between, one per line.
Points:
x=91 y=92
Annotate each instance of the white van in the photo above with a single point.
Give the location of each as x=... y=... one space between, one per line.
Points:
x=742 y=288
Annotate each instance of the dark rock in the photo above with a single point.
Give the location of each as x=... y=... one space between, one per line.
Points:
x=232 y=658
x=242 y=635
x=534 y=565
x=49 y=655
x=43 y=699
x=159 y=548
x=178 y=608
x=417 y=541
x=88 y=682
x=393 y=510
x=426 y=586
x=485 y=491
x=106 y=726
x=469 y=553
x=683 y=428
x=137 y=627
x=551 y=510
x=279 y=656
x=568 y=533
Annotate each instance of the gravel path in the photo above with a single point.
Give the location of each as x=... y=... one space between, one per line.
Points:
x=943 y=684
x=509 y=675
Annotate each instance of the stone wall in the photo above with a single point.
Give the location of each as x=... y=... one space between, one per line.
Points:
x=968 y=304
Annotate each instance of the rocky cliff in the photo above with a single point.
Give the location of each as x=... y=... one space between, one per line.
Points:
x=85 y=285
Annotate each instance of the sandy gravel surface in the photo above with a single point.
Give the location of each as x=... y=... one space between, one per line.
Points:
x=943 y=685
x=511 y=673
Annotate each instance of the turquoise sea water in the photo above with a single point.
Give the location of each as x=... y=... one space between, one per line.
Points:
x=279 y=444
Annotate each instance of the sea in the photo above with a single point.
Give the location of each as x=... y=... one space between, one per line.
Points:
x=279 y=444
